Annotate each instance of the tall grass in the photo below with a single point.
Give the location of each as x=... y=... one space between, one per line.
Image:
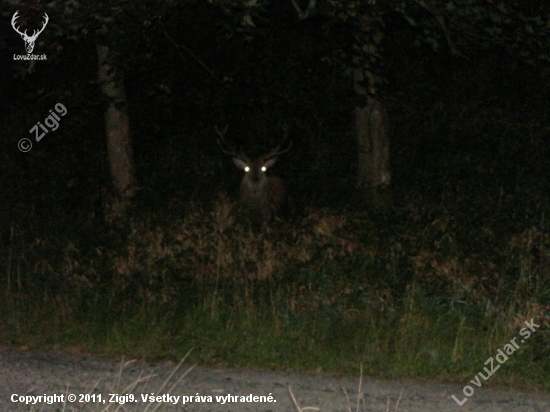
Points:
x=421 y=292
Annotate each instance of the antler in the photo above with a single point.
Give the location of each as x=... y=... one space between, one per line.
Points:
x=224 y=145
x=47 y=19
x=277 y=151
x=35 y=33
x=13 y=19
x=227 y=148
x=221 y=134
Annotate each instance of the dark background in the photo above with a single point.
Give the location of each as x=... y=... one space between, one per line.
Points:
x=475 y=123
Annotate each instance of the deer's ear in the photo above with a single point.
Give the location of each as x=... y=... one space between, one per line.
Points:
x=270 y=162
x=239 y=163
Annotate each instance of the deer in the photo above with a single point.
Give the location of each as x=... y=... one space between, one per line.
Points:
x=261 y=196
x=29 y=40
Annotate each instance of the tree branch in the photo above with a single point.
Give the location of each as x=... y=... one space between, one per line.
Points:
x=302 y=15
x=199 y=61
x=441 y=21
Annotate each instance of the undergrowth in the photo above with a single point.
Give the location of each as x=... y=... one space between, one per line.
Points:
x=424 y=291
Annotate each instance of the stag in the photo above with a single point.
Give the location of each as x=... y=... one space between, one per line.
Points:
x=29 y=40
x=261 y=196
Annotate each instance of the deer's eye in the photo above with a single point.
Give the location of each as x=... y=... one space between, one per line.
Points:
x=247 y=169
x=264 y=168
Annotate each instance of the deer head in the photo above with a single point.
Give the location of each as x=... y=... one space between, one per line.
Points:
x=29 y=40
x=261 y=195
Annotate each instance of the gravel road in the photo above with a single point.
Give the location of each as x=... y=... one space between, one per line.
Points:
x=25 y=374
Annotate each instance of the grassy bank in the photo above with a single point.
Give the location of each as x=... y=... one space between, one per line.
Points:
x=421 y=291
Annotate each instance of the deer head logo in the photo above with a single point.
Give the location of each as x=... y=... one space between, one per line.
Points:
x=261 y=196
x=29 y=40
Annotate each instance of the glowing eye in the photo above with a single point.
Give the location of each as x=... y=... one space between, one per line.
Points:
x=247 y=169
x=264 y=168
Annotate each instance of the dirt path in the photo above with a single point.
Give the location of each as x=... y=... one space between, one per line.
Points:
x=33 y=374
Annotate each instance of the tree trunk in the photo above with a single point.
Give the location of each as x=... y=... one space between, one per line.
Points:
x=117 y=127
x=374 y=171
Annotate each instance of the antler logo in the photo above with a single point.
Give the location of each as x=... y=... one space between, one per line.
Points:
x=29 y=40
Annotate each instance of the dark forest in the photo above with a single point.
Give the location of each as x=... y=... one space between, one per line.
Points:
x=332 y=180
